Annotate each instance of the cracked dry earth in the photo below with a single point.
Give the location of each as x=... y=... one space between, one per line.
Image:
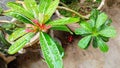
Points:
x=90 y=58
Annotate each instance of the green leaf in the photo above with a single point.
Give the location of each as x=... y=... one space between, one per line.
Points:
x=84 y=42
x=101 y=20
x=98 y=1
x=60 y=48
x=94 y=42
x=82 y=31
x=50 y=51
x=102 y=45
x=17 y=8
x=1 y=10
x=63 y=21
x=19 y=17
x=93 y=17
x=3 y=40
x=51 y=9
x=86 y=26
x=43 y=5
x=105 y=39
x=8 y=25
x=108 y=32
x=20 y=43
x=32 y=6
x=108 y=22
x=16 y=34
x=61 y=28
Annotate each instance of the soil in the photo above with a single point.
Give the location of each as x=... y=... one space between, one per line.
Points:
x=2 y=63
x=79 y=58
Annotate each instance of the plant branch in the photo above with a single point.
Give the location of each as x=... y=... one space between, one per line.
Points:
x=101 y=5
x=58 y=14
x=21 y=2
x=63 y=4
x=68 y=9
x=4 y=21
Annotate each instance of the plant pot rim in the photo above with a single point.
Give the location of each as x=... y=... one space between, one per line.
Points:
x=7 y=59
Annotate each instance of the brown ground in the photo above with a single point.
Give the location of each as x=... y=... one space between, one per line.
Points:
x=90 y=58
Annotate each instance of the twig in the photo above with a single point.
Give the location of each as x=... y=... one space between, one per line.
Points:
x=94 y=0
x=58 y=14
x=13 y=20
x=4 y=21
x=5 y=11
x=63 y=4
x=51 y=33
x=68 y=9
x=101 y=4
x=20 y=2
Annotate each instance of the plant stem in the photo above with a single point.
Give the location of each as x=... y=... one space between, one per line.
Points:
x=63 y=4
x=21 y=2
x=58 y=14
x=4 y=21
x=4 y=41
x=68 y=9
x=101 y=5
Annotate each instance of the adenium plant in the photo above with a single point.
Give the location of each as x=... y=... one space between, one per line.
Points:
x=97 y=30
x=36 y=17
x=37 y=20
